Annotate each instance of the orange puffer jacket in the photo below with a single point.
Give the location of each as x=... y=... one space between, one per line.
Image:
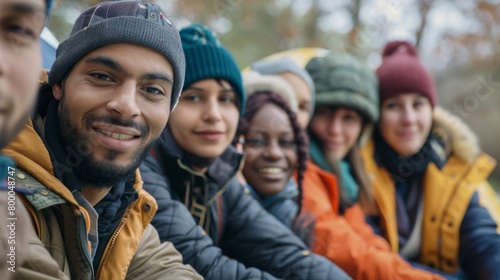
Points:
x=347 y=240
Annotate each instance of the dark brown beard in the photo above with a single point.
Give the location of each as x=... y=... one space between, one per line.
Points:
x=89 y=171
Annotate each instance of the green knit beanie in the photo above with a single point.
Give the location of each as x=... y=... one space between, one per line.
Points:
x=343 y=80
x=206 y=58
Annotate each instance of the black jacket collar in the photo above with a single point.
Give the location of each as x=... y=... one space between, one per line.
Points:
x=220 y=171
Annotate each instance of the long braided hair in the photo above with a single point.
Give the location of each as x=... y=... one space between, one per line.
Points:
x=254 y=103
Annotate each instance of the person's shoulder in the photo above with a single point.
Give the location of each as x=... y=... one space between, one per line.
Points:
x=234 y=188
x=315 y=175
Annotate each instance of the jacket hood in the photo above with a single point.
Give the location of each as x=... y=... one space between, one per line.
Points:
x=458 y=138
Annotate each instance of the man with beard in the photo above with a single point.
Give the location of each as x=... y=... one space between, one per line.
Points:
x=109 y=95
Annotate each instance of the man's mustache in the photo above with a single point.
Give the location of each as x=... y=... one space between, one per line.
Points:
x=142 y=128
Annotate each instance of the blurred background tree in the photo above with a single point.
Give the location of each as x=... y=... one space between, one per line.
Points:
x=459 y=41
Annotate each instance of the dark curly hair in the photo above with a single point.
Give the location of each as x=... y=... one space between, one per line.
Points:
x=254 y=103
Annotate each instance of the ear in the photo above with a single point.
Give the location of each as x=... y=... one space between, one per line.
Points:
x=57 y=91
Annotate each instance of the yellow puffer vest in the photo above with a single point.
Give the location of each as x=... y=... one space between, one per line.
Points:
x=447 y=193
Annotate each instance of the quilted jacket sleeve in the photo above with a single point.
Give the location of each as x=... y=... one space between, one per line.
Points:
x=33 y=261
x=479 y=242
x=257 y=239
x=175 y=224
x=155 y=260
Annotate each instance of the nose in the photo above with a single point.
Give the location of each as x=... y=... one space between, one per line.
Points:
x=124 y=103
x=334 y=126
x=409 y=115
x=273 y=151
x=211 y=111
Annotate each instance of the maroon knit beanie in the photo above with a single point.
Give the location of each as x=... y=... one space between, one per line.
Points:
x=402 y=72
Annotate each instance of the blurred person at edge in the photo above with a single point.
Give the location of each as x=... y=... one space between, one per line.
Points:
x=199 y=163
x=109 y=95
x=297 y=78
x=428 y=175
x=21 y=23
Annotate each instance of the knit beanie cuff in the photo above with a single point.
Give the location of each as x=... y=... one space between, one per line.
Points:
x=342 y=98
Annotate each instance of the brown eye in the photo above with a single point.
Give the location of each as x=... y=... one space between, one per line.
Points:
x=20 y=34
x=227 y=99
x=391 y=105
x=102 y=77
x=191 y=97
x=304 y=107
x=154 y=90
x=256 y=142
x=287 y=143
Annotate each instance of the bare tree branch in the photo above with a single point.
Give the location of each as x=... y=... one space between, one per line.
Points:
x=424 y=7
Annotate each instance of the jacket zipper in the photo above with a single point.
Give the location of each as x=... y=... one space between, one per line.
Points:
x=205 y=180
x=114 y=237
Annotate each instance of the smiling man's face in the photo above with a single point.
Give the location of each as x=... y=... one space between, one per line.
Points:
x=113 y=106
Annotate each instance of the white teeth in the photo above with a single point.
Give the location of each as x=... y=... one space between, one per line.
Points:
x=117 y=135
x=271 y=170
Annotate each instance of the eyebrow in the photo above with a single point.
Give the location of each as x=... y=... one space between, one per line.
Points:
x=110 y=63
x=202 y=89
x=25 y=8
x=158 y=76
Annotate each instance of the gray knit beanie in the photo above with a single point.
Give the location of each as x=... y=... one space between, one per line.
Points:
x=122 y=22
x=282 y=65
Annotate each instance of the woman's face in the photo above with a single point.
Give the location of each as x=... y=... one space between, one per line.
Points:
x=205 y=119
x=271 y=152
x=405 y=122
x=303 y=95
x=337 y=129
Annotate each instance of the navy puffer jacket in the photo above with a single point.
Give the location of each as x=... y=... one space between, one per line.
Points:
x=233 y=220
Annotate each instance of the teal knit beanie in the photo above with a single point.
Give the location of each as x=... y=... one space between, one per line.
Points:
x=344 y=80
x=206 y=58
